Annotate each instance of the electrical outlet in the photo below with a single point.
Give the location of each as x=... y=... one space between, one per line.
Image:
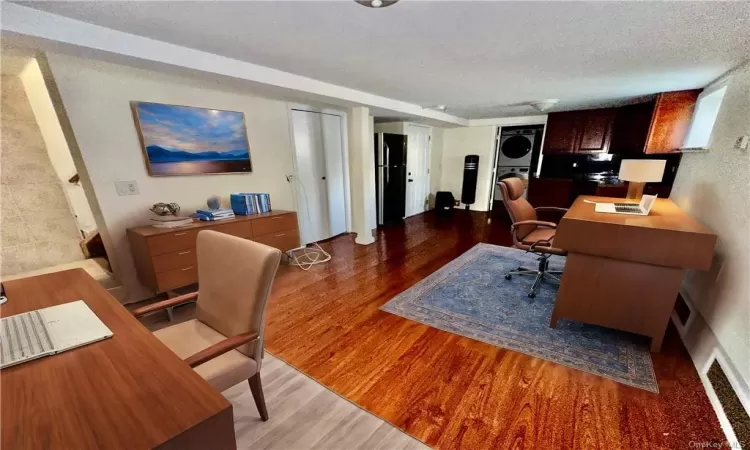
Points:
x=126 y=188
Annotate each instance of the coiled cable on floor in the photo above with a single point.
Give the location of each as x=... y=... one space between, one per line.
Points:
x=306 y=257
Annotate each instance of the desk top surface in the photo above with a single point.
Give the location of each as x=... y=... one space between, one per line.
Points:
x=664 y=215
x=128 y=391
x=666 y=237
x=148 y=230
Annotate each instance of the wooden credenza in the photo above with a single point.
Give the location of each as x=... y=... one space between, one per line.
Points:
x=166 y=259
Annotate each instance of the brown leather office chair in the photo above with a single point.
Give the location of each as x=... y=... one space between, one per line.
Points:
x=224 y=343
x=530 y=234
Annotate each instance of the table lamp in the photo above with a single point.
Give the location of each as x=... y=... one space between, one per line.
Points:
x=638 y=172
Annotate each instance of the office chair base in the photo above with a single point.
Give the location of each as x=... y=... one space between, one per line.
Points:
x=540 y=273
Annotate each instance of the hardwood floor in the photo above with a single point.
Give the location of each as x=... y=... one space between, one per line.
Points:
x=453 y=392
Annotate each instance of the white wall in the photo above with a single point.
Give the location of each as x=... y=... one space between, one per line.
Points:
x=459 y=142
x=57 y=146
x=713 y=187
x=96 y=97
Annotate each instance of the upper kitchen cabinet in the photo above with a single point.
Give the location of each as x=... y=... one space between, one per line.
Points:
x=671 y=120
x=587 y=131
x=596 y=130
x=631 y=128
x=561 y=135
x=658 y=126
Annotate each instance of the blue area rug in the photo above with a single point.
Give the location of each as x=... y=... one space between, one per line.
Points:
x=471 y=297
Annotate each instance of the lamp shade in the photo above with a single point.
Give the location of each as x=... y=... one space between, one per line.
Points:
x=642 y=170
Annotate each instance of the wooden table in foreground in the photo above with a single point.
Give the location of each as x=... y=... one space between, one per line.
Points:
x=128 y=391
x=625 y=271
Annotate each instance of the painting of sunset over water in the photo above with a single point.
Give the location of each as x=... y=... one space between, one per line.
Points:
x=182 y=140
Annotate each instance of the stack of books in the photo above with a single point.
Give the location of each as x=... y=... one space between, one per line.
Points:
x=247 y=203
x=170 y=221
x=214 y=214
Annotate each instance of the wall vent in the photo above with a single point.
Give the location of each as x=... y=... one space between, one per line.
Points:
x=731 y=404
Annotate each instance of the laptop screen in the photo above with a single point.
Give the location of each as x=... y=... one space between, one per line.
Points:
x=647 y=201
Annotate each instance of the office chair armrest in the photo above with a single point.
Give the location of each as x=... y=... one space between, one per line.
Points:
x=164 y=304
x=551 y=208
x=539 y=223
x=220 y=348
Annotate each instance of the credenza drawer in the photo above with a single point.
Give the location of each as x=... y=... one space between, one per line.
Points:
x=283 y=240
x=175 y=278
x=273 y=224
x=175 y=260
x=239 y=229
x=172 y=242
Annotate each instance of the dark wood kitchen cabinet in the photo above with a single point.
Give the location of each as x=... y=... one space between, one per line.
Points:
x=562 y=132
x=587 y=131
x=657 y=126
x=596 y=130
x=671 y=120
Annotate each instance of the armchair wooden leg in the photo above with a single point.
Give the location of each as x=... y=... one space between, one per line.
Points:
x=257 y=389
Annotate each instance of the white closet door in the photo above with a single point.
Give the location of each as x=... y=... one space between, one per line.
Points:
x=334 y=164
x=417 y=169
x=312 y=195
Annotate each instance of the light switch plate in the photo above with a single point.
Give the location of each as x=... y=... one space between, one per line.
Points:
x=126 y=188
x=742 y=142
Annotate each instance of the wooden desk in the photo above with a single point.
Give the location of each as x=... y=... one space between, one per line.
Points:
x=128 y=392
x=625 y=271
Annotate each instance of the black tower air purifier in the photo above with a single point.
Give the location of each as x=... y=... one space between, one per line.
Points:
x=469 y=188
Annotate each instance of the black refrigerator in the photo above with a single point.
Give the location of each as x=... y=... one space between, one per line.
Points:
x=390 y=177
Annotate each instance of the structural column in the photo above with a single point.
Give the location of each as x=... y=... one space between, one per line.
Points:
x=362 y=174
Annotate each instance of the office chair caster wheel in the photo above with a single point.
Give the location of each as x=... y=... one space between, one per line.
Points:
x=532 y=294
x=508 y=277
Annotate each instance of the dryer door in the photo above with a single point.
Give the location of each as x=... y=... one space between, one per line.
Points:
x=515 y=148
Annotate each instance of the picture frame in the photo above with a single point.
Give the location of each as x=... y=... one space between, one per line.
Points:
x=179 y=140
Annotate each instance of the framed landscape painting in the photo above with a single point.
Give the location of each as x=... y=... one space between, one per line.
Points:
x=183 y=140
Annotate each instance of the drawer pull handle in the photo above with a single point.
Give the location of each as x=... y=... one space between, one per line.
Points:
x=184 y=253
x=279 y=235
x=181 y=234
x=187 y=268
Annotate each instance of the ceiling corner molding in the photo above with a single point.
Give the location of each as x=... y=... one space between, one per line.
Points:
x=50 y=32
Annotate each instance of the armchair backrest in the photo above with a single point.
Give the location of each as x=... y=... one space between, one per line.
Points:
x=235 y=277
x=519 y=209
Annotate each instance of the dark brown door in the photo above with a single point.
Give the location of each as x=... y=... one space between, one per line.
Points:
x=596 y=130
x=562 y=133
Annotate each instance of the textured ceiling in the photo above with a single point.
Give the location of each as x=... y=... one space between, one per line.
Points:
x=475 y=57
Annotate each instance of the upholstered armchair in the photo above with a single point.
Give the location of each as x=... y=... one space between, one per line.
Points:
x=224 y=343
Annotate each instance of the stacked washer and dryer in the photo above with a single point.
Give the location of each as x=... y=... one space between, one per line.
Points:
x=514 y=155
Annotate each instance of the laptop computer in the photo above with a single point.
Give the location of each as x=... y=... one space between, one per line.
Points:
x=640 y=209
x=48 y=331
